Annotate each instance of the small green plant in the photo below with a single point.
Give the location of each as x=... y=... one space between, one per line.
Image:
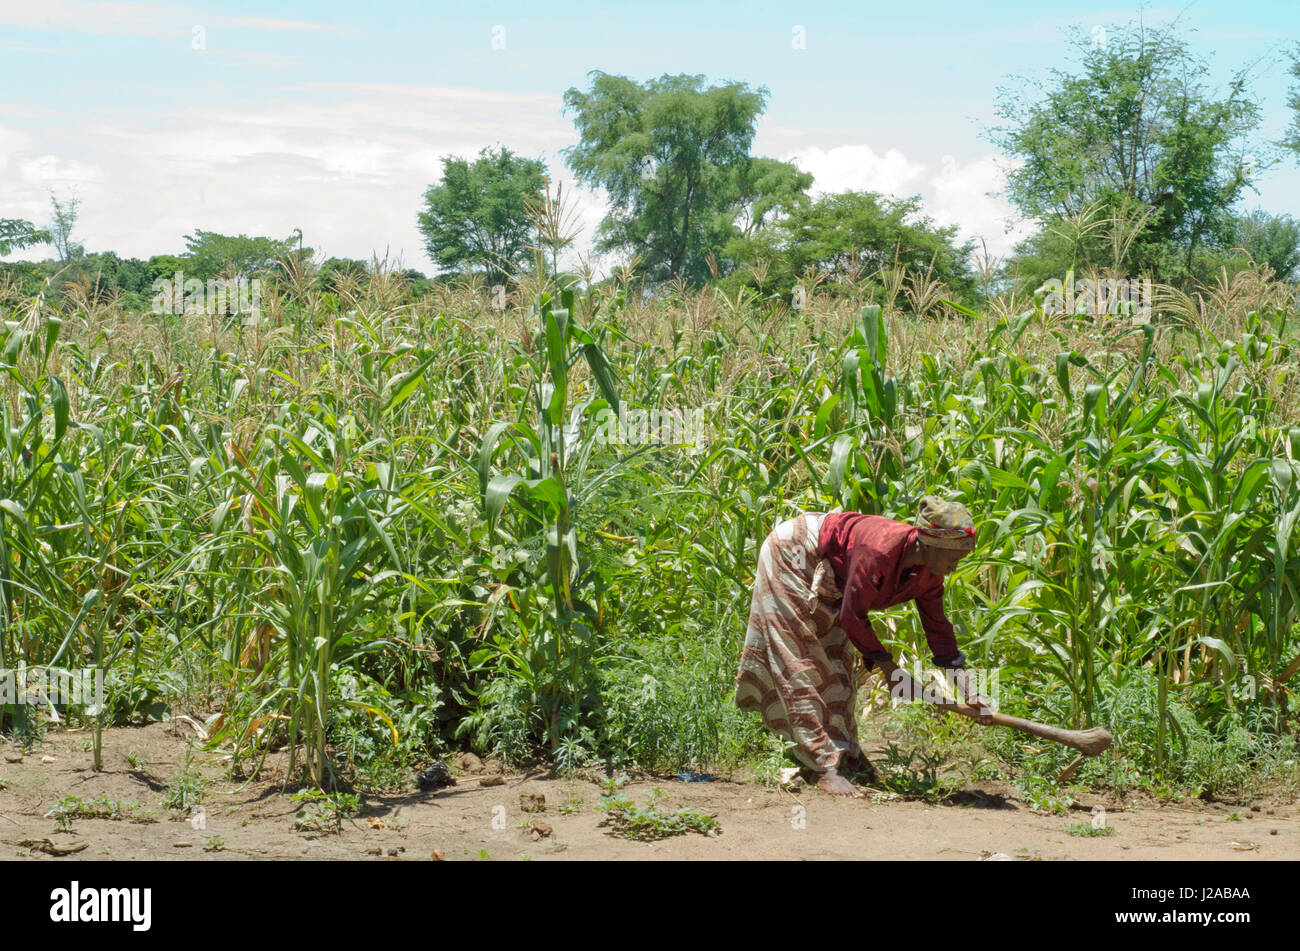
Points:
x=213 y=844
x=571 y=806
x=1087 y=829
x=323 y=812
x=74 y=807
x=187 y=790
x=132 y=759
x=1232 y=817
x=899 y=775
x=646 y=823
x=612 y=783
x=1042 y=795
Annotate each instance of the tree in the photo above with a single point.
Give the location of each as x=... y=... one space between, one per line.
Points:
x=1133 y=129
x=851 y=235
x=1269 y=239
x=65 y=219
x=767 y=189
x=1292 y=140
x=211 y=255
x=165 y=267
x=16 y=234
x=674 y=158
x=477 y=215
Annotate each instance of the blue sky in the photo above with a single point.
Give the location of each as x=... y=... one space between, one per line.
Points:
x=259 y=118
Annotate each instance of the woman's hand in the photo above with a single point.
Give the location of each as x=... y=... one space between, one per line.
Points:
x=963 y=685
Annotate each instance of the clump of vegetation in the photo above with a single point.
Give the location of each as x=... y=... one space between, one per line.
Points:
x=1044 y=795
x=1087 y=829
x=187 y=789
x=647 y=823
x=69 y=808
x=322 y=812
x=915 y=773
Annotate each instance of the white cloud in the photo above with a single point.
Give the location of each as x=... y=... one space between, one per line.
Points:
x=347 y=163
x=952 y=192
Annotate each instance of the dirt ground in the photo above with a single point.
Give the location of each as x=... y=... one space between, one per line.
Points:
x=476 y=821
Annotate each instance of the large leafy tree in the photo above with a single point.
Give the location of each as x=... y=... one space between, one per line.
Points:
x=1132 y=141
x=477 y=215
x=674 y=159
x=211 y=255
x=16 y=234
x=851 y=235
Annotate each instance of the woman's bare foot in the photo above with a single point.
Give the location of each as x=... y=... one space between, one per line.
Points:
x=835 y=784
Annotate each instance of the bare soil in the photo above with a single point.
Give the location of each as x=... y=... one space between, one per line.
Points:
x=475 y=820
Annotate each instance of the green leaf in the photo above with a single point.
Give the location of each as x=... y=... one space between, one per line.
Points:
x=839 y=460
x=406 y=385
x=824 y=414
x=15 y=510
x=873 y=327
x=59 y=399
x=486 y=452
x=498 y=493
x=602 y=373
x=1063 y=376
x=1223 y=649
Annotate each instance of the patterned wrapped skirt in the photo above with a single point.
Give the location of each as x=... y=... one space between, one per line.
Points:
x=797 y=666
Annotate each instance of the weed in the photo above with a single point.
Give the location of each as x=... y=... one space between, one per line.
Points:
x=214 y=844
x=1087 y=829
x=646 y=823
x=69 y=808
x=899 y=775
x=571 y=806
x=1043 y=795
x=324 y=812
x=186 y=790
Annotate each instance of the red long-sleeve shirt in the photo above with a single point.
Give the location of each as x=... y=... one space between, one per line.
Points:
x=866 y=552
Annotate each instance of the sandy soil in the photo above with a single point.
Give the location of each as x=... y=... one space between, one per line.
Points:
x=476 y=821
